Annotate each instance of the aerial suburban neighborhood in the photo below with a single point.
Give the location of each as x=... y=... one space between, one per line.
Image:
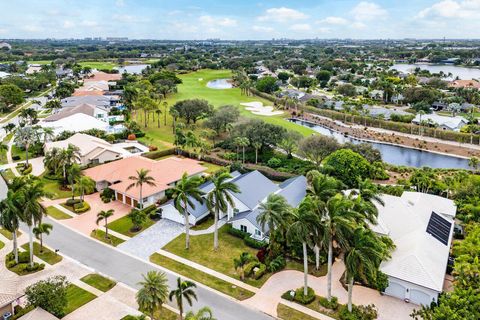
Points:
x=239 y=160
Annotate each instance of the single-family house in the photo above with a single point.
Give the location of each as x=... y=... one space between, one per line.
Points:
x=33 y=68
x=382 y=112
x=93 y=150
x=79 y=122
x=97 y=112
x=421 y=226
x=464 y=84
x=254 y=189
x=100 y=101
x=115 y=175
x=442 y=122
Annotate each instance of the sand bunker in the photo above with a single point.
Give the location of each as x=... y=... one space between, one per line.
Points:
x=258 y=108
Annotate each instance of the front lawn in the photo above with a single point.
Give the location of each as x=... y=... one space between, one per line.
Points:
x=287 y=313
x=211 y=168
x=2 y=245
x=57 y=214
x=54 y=188
x=163 y=314
x=201 y=251
x=100 y=235
x=204 y=224
x=97 y=281
x=77 y=297
x=46 y=255
x=124 y=226
x=7 y=234
x=16 y=151
x=202 y=277
x=8 y=175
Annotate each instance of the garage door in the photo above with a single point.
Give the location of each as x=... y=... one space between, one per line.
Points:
x=120 y=197
x=128 y=200
x=419 y=297
x=396 y=290
x=169 y=212
x=135 y=203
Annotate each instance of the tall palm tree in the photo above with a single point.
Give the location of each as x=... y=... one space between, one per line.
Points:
x=139 y=180
x=273 y=214
x=67 y=157
x=104 y=215
x=364 y=253
x=338 y=220
x=185 y=290
x=48 y=134
x=242 y=142
x=10 y=218
x=29 y=199
x=153 y=293
x=25 y=136
x=220 y=198
x=40 y=230
x=204 y=313
x=85 y=185
x=183 y=194
x=303 y=230
x=74 y=173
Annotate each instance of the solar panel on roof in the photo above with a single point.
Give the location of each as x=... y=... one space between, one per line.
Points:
x=439 y=228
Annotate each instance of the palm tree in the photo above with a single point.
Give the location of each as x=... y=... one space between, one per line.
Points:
x=25 y=136
x=256 y=146
x=242 y=142
x=104 y=215
x=30 y=195
x=185 y=290
x=85 y=185
x=153 y=293
x=240 y=263
x=48 y=134
x=303 y=230
x=219 y=199
x=10 y=218
x=40 y=230
x=183 y=194
x=74 y=173
x=337 y=223
x=204 y=313
x=140 y=179
x=165 y=107
x=67 y=157
x=364 y=253
x=273 y=214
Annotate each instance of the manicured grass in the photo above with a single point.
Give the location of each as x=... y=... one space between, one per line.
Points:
x=8 y=175
x=98 y=64
x=112 y=240
x=46 y=255
x=77 y=297
x=124 y=226
x=211 y=168
x=297 y=265
x=204 y=278
x=287 y=313
x=3 y=153
x=57 y=214
x=163 y=314
x=201 y=251
x=53 y=187
x=99 y=282
x=2 y=245
x=7 y=234
x=16 y=151
x=205 y=224
x=39 y=62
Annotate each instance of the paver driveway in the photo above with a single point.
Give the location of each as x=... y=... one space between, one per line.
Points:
x=86 y=222
x=152 y=239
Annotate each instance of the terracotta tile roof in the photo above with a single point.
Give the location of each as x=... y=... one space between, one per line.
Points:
x=79 y=93
x=103 y=76
x=465 y=84
x=164 y=172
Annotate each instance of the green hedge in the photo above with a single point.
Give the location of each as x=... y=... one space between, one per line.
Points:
x=81 y=207
x=158 y=154
x=304 y=299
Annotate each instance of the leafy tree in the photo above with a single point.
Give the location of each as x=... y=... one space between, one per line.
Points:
x=49 y=294
x=317 y=147
x=40 y=230
x=139 y=180
x=153 y=293
x=222 y=118
x=323 y=76
x=347 y=90
x=348 y=166
x=185 y=290
x=370 y=153
x=421 y=94
x=289 y=143
x=193 y=109
x=219 y=199
x=240 y=263
x=10 y=96
x=303 y=82
x=203 y=314
x=85 y=185
x=267 y=84
x=138 y=218
x=284 y=76
x=183 y=193
x=104 y=215
x=259 y=131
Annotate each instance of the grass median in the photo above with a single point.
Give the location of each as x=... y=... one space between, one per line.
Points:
x=99 y=282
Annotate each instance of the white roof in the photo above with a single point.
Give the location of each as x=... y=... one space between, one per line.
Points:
x=450 y=122
x=38 y=314
x=418 y=258
x=76 y=122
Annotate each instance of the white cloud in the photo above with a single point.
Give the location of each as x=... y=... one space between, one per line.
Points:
x=67 y=24
x=128 y=18
x=31 y=28
x=282 y=14
x=3 y=31
x=324 y=30
x=120 y=3
x=262 y=29
x=301 y=27
x=452 y=9
x=89 y=23
x=368 y=11
x=217 y=21
x=358 y=25
x=334 y=21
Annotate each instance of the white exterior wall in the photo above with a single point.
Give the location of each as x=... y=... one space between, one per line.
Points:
x=250 y=227
x=107 y=156
x=240 y=206
x=171 y=213
x=407 y=290
x=100 y=185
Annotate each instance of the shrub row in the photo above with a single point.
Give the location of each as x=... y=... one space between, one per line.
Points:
x=158 y=154
x=247 y=239
x=81 y=207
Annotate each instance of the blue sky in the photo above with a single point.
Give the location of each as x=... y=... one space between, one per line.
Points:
x=242 y=19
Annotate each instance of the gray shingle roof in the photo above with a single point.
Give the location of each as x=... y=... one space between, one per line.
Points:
x=254 y=188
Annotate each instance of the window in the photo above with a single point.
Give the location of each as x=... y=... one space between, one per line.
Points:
x=257 y=232
x=243 y=228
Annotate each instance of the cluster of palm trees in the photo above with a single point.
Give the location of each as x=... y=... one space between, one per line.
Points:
x=28 y=136
x=329 y=217
x=22 y=204
x=154 y=292
x=189 y=139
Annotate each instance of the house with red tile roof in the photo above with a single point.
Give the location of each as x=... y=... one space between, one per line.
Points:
x=464 y=84
x=115 y=175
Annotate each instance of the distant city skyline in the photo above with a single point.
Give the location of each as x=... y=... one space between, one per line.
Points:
x=240 y=20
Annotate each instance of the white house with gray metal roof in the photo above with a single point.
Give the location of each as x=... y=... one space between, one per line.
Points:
x=421 y=226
